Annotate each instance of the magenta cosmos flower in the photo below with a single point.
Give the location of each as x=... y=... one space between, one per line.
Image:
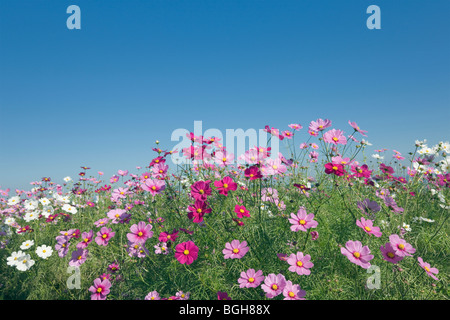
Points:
x=241 y=211
x=197 y=210
x=430 y=271
x=357 y=254
x=335 y=136
x=140 y=232
x=103 y=236
x=235 y=249
x=200 y=190
x=273 y=285
x=100 y=289
x=400 y=246
x=293 y=292
x=302 y=220
x=250 y=278
x=186 y=252
x=154 y=186
x=225 y=185
x=336 y=169
x=388 y=254
x=367 y=226
x=300 y=263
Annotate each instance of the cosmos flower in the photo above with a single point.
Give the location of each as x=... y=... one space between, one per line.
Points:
x=235 y=249
x=357 y=254
x=186 y=252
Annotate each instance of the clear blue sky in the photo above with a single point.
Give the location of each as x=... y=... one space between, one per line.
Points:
x=137 y=70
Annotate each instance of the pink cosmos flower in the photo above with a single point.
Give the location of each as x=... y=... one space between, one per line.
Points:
x=140 y=232
x=319 y=125
x=100 y=289
x=388 y=253
x=166 y=236
x=400 y=246
x=154 y=186
x=335 y=136
x=225 y=185
x=426 y=266
x=274 y=167
x=295 y=126
x=273 y=285
x=367 y=226
x=223 y=158
x=235 y=249
x=86 y=238
x=186 y=252
x=78 y=257
x=300 y=263
x=355 y=126
x=302 y=220
x=357 y=254
x=101 y=222
x=241 y=211
x=116 y=215
x=122 y=173
x=250 y=278
x=103 y=236
x=293 y=292
x=153 y=295
x=269 y=194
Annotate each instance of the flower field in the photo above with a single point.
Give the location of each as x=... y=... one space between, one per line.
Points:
x=330 y=218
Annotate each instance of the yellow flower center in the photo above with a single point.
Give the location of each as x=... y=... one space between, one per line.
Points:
x=86 y=239
x=140 y=234
x=153 y=188
x=427 y=269
x=302 y=222
x=274 y=287
x=275 y=167
x=199 y=210
x=390 y=255
x=356 y=254
x=251 y=280
x=225 y=185
x=236 y=250
x=367 y=229
x=104 y=236
x=186 y=252
x=241 y=210
x=401 y=246
x=334 y=168
x=299 y=263
x=224 y=159
x=201 y=191
x=99 y=290
x=291 y=294
x=335 y=139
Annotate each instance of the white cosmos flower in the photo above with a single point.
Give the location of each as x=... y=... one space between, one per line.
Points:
x=27 y=244
x=9 y=221
x=25 y=263
x=31 y=215
x=13 y=200
x=44 y=251
x=69 y=209
x=407 y=227
x=67 y=179
x=47 y=211
x=31 y=204
x=445 y=164
x=422 y=143
x=44 y=201
x=14 y=258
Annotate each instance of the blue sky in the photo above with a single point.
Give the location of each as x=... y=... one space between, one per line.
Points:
x=137 y=70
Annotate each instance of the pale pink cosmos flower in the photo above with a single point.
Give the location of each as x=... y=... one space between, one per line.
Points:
x=269 y=194
x=153 y=295
x=293 y=292
x=300 y=263
x=302 y=220
x=223 y=158
x=235 y=249
x=400 y=246
x=426 y=266
x=355 y=126
x=250 y=278
x=274 y=166
x=335 y=136
x=295 y=126
x=115 y=215
x=273 y=285
x=357 y=254
x=367 y=226
x=122 y=173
